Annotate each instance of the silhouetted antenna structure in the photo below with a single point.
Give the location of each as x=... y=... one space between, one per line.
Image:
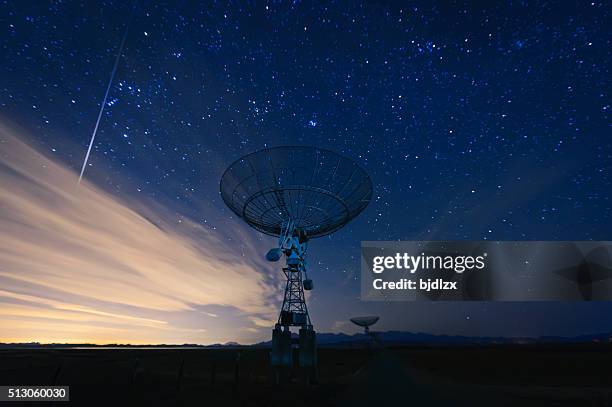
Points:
x=295 y=194
x=365 y=322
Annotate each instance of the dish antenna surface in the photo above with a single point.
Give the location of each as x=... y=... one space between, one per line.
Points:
x=315 y=191
x=295 y=194
x=365 y=322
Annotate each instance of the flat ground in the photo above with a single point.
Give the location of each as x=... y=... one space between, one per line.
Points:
x=406 y=376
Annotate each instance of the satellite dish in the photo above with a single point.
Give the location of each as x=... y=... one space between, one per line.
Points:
x=295 y=194
x=365 y=322
x=317 y=190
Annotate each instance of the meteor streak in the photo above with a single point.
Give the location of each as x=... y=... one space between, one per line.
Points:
x=110 y=83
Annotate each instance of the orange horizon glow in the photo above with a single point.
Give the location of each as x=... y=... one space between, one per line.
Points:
x=80 y=265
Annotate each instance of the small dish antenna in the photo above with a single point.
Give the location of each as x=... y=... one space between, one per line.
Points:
x=365 y=322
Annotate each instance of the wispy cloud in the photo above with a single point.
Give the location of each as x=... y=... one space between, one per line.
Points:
x=80 y=263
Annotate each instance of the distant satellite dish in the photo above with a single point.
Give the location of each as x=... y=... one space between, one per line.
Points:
x=274 y=254
x=365 y=322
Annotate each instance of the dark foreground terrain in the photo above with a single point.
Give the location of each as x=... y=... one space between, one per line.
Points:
x=407 y=376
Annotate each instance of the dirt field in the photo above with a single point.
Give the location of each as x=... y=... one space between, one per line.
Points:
x=415 y=376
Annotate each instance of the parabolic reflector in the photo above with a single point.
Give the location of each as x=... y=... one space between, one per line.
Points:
x=364 y=321
x=316 y=189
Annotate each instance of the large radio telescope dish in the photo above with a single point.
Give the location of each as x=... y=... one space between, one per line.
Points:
x=317 y=190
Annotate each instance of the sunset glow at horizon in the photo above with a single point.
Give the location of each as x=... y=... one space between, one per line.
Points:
x=78 y=265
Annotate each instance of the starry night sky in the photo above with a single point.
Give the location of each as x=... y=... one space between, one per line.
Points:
x=488 y=121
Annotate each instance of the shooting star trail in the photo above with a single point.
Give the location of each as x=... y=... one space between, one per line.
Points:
x=108 y=87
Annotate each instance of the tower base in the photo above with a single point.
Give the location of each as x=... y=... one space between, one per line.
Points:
x=308 y=348
x=281 y=355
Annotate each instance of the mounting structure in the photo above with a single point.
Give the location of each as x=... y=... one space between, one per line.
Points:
x=295 y=194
